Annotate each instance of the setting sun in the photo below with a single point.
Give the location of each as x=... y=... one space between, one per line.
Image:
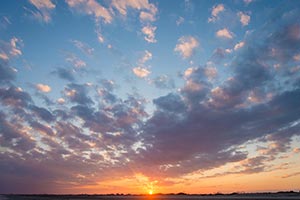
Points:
x=150 y=192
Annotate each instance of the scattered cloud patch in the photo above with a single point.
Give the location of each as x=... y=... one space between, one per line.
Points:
x=224 y=33
x=186 y=46
x=141 y=72
x=216 y=10
x=43 y=87
x=149 y=32
x=239 y=45
x=244 y=18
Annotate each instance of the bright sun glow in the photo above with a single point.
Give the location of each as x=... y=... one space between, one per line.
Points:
x=150 y=192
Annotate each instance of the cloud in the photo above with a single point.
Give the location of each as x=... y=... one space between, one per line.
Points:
x=64 y=73
x=10 y=49
x=148 y=10
x=91 y=7
x=44 y=9
x=216 y=10
x=43 y=87
x=85 y=48
x=77 y=93
x=186 y=46
x=141 y=72
x=211 y=72
x=163 y=82
x=244 y=18
x=179 y=21
x=296 y=57
x=61 y=100
x=224 y=33
x=147 y=56
x=7 y=73
x=149 y=32
x=75 y=61
x=239 y=45
x=247 y=2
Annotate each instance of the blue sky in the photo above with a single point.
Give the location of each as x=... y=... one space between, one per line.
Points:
x=178 y=90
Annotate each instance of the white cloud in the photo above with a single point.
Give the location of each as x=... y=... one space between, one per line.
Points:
x=44 y=9
x=244 y=18
x=43 y=87
x=149 y=32
x=141 y=72
x=216 y=10
x=186 y=46
x=224 y=33
x=239 y=45
x=91 y=7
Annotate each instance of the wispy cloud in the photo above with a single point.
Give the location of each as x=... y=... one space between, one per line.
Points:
x=85 y=48
x=44 y=9
x=91 y=7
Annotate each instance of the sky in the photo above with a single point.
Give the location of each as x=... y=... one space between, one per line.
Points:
x=134 y=96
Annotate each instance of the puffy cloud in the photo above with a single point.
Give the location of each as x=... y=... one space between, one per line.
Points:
x=91 y=7
x=244 y=18
x=149 y=32
x=61 y=100
x=44 y=8
x=216 y=10
x=141 y=72
x=43 y=87
x=239 y=45
x=224 y=33
x=186 y=46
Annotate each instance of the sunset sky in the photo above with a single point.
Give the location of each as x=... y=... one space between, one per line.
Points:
x=133 y=96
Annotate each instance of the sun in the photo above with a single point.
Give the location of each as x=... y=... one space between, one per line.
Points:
x=150 y=192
